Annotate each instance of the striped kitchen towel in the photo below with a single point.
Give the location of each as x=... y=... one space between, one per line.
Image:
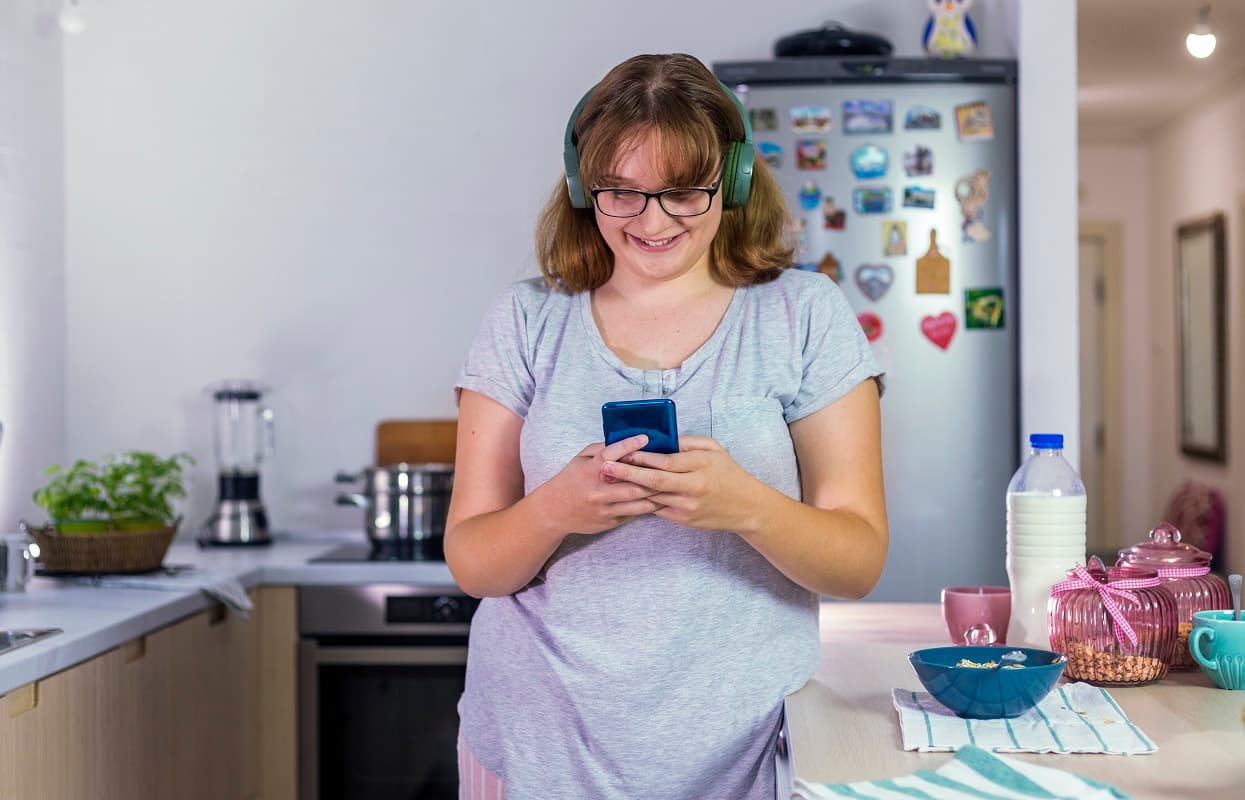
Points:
x=1073 y=718
x=973 y=774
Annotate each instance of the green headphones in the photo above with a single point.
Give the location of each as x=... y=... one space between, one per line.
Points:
x=736 y=170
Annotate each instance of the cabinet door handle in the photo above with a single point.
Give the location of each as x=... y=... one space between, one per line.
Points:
x=22 y=699
x=134 y=649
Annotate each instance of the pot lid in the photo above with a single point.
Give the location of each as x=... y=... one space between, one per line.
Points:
x=1164 y=549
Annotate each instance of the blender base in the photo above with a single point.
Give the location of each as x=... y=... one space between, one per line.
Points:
x=236 y=522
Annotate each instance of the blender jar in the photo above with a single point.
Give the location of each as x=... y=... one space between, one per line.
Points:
x=243 y=428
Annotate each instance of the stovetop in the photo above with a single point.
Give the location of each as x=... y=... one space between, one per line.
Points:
x=353 y=552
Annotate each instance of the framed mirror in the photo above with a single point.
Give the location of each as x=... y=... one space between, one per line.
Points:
x=1201 y=333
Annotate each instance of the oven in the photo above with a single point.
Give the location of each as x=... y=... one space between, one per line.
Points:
x=381 y=669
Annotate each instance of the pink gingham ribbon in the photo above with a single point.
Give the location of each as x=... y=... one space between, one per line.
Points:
x=1109 y=591
x=1184 y=572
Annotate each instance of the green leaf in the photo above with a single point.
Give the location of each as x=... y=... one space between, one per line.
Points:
x=131 y=485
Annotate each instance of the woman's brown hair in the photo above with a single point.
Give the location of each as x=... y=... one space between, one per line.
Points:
x=677 y=99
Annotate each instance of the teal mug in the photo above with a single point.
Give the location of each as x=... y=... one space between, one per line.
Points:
x=1217 y=643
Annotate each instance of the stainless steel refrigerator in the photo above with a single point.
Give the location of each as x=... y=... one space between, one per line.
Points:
x=872 y=155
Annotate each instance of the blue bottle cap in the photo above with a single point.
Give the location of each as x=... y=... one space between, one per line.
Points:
x=1046 y=441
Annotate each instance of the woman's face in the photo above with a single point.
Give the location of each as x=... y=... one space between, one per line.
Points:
x=655 y=245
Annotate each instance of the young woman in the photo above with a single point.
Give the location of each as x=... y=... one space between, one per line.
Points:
x=645 y=614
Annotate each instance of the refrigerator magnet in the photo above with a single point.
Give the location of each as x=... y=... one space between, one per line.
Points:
x=871 y=324
x=983 y=308
x=810 y=154
x=829 y=266
x=869 y=161
x=866 y=116
x=940 y=329
x=894 y=237
x=763 y=120
x=874 y=280
x=835 y=217
x=871 y=200
x=918 y=161
x=918 y=197
x=974 y=122
x=972 y=191
x=810 y=195
x=800 y=228
x=922 y=118
x=810 y=119
x=771 y=154
x=933 y=270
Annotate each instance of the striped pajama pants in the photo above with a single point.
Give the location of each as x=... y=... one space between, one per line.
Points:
x=474 y=781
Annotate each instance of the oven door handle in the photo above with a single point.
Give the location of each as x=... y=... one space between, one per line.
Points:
x=388 y=656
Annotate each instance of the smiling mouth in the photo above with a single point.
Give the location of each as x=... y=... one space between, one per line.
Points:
x=656 y=245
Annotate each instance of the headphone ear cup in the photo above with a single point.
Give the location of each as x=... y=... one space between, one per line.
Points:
x=574 y=183
x=737 y=175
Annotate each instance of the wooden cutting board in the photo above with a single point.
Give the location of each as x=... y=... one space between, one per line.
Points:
x=416 y=441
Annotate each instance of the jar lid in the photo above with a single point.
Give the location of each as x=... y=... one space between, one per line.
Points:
x=1104 y=574
x=1164 y=549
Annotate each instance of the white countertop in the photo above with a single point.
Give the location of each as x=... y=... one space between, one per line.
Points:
x=96 y=619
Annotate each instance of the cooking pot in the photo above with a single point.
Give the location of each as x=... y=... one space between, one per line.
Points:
x=404 y=503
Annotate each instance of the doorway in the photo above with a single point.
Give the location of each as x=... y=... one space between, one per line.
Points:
x=1101 y=270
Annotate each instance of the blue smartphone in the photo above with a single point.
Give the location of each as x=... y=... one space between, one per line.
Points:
x=654 y=418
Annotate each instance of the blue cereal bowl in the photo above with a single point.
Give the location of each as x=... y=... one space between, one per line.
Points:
x=977 y=693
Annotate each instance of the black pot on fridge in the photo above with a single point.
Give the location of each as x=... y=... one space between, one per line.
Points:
x=405 y=505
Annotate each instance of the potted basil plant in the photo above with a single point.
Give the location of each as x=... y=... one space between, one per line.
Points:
x=132 y=491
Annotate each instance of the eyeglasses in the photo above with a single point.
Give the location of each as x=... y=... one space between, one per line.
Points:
x=682 y=202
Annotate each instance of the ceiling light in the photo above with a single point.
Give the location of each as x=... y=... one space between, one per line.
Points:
x=1201 y=42
x=70 y=19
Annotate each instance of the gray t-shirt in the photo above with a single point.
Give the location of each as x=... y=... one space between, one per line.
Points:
x=651 y=661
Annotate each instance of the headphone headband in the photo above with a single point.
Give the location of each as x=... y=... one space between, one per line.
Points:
x=736 y=168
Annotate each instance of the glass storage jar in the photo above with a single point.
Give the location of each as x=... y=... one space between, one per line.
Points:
x=1116 y=625
x=1185 y=572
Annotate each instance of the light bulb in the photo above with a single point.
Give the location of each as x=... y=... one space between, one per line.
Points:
x=70 y=19
x=1200 y=45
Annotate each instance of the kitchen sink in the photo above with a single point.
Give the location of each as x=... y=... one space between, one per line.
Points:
x=13 y=639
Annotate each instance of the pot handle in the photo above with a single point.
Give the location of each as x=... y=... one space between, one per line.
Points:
x=347 y=477
x=353 y=499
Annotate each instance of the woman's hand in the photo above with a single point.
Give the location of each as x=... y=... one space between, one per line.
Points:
x=583 y=500
x=701 y=486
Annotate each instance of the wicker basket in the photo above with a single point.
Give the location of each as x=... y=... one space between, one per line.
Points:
x=107 y=551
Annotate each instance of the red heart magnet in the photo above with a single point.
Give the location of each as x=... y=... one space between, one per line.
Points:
x=871 y=324
x=939 y=329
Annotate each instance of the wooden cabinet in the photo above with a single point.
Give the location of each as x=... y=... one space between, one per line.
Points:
x=203 y=708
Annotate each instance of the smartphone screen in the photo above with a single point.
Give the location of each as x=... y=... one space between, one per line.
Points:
x=654 y=418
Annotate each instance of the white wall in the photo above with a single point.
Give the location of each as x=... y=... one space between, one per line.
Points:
x=1045 y=42
x=32 y=271
x=325 y=196
x=1197 y=169
x=1115 y=181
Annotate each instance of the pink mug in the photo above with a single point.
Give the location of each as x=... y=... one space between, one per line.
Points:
x=969 y=608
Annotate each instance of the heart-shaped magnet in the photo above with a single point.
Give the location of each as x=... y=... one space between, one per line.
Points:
x=871 y=324
x=874 y=280
x=939 y=329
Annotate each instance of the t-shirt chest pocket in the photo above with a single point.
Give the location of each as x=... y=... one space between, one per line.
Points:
x=754 y=432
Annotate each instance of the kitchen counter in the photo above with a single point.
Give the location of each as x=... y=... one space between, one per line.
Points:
x=843 y=727
x=97 y=619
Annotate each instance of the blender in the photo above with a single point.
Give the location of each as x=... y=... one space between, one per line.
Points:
x=243 y=429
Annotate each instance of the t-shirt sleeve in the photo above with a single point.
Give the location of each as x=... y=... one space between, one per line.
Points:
x=835 y=354
x=498 y=364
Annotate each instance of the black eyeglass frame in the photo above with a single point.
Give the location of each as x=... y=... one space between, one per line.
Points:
x=710 y=190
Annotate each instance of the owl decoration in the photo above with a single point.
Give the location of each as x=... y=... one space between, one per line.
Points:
x=949 y=33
